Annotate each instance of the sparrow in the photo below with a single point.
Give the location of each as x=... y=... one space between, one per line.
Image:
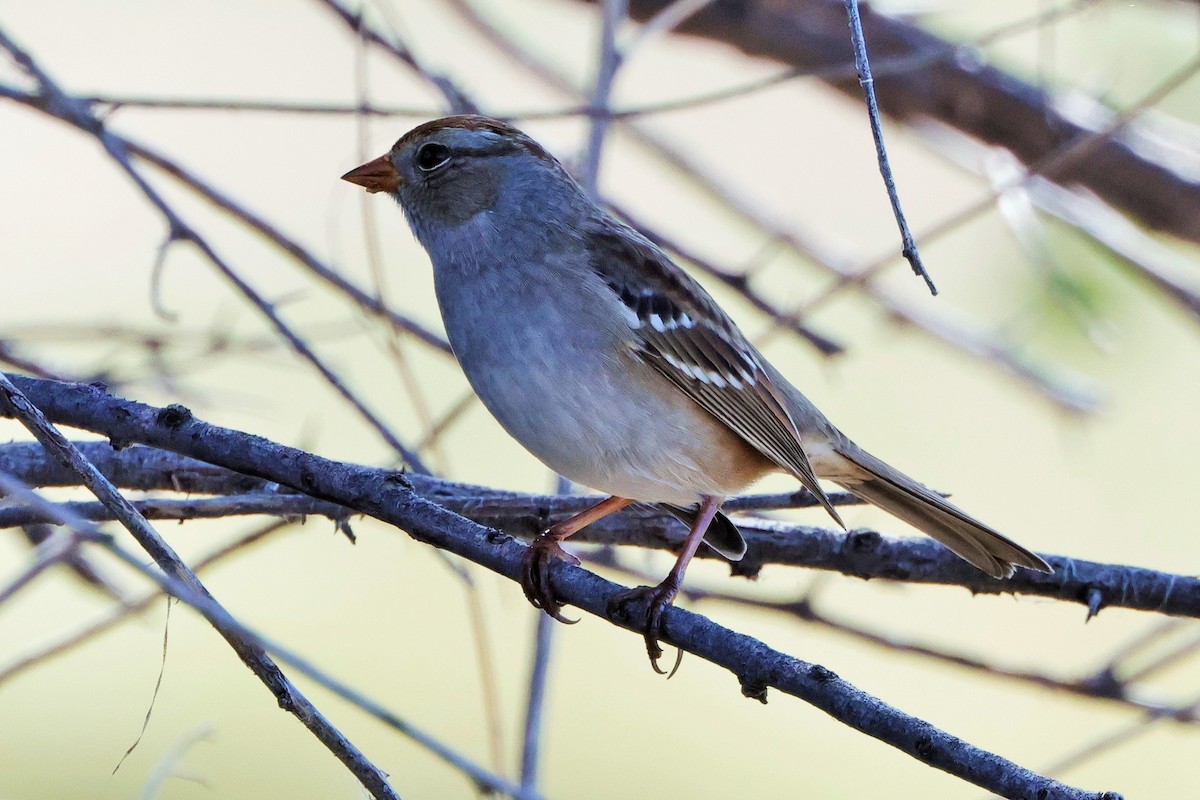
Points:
x=611 y=365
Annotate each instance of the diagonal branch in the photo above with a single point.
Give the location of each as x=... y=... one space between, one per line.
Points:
x=72 y=110
x=14 y=403
x=388 y=496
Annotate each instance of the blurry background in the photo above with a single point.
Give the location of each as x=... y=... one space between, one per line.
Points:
x=1052 y=386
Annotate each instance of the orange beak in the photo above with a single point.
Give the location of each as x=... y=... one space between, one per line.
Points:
x=375 y=176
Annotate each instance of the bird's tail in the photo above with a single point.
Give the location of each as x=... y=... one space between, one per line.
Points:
x=901 y=496
x=722 y=535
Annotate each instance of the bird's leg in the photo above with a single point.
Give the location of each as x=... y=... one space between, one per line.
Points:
x=545 y=549
x=659 y=597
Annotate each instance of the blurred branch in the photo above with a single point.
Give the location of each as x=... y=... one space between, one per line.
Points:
x=608 y=60
x=455 y=97
x=1148 y=258
x=539 y=673
x=88 y=632
x=290 y=247
x=59 y=548
x=389 y=497
x=651 y=29
x=10 y=358
x=52 y=100
x=1125 y=733
x=87 y=573
x=979 y=100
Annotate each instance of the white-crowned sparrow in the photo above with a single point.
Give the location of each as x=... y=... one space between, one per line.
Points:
x=611 y=365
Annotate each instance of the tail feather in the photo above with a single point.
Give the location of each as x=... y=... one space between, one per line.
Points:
x=722 y=535
x=924 y=509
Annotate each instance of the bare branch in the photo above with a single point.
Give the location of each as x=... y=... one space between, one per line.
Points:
x=53 y=100
x=538 y=678
x=125 y=610
x=13 y=402
x=242 y=505
x=458 y=100
x=860 y=553
x=388 y=496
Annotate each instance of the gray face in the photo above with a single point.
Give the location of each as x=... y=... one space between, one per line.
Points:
x=448 y=176
x=473 y=188
x=455 y=168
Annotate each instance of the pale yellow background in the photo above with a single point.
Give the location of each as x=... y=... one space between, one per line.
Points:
x=77 y=243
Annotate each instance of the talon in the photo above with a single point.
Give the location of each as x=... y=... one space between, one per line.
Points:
x=658 y=599
x=535 y=575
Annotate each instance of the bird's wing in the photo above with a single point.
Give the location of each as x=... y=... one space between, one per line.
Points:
x=682 y=332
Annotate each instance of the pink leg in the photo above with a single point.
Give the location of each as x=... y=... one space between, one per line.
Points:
x=535 y=566
x=660 y=597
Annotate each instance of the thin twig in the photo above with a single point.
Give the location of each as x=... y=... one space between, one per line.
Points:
x=370 y=304
x=608 y=60
x=457 y=99
x=73 y=111
x=125 y=611
x=54 y=550
x=539 y=673
x=909 y=249
x=1121 y=735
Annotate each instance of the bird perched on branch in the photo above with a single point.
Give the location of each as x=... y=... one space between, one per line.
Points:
x=613 y=366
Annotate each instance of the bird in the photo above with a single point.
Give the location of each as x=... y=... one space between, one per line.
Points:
x=614 y=367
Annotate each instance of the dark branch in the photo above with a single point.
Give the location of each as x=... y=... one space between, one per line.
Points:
x=859 y=553
x=389 y=497
x=15 y=404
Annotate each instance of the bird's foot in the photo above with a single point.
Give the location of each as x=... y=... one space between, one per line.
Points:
x=535 y=574
x=658 y=600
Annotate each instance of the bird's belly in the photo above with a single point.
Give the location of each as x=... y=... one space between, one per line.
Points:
x=582 y=404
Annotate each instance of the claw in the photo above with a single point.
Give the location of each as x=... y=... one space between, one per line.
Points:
x=535 y=575
x=658 y=600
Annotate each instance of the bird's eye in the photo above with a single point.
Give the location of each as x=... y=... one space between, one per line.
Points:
x=431 y=156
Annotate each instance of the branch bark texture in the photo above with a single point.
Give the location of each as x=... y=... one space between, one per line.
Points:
x=389 y=496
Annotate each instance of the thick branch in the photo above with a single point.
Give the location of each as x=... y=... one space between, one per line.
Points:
x=388 y=497
x=860 y=553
